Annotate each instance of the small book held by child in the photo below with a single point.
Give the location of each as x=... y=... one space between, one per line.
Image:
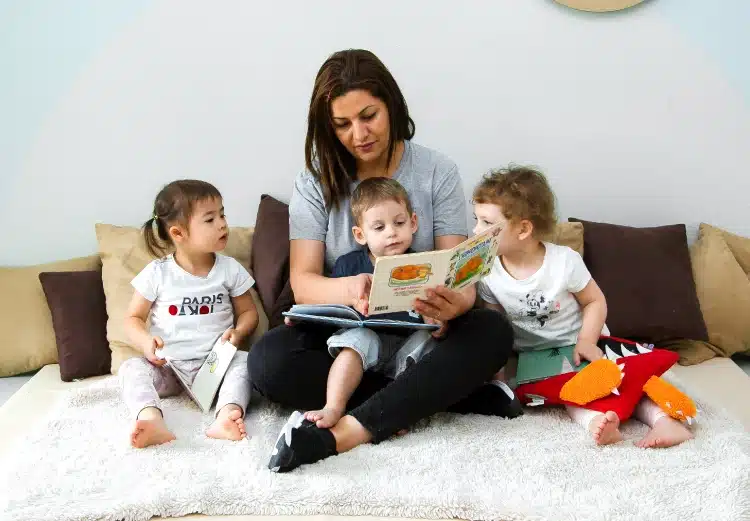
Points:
x=346 y=317
x=209 y=376
x=534 y=366
x=399 y=279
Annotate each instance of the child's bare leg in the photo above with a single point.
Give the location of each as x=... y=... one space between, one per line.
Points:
x=343 y=379
x=604 y=427
x=229 y=424
x=142 y=385
x=665 y=431
x=150 y=429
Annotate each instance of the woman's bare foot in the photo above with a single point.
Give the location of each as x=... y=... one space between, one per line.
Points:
x=325 y=418
x=150 y=429
x=228 y=425
x=666 y=432
x=605 y=428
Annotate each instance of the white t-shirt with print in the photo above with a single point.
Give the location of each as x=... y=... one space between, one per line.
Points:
x=542 y=308
x=189 y=312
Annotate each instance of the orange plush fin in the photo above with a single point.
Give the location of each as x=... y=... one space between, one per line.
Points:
x=671 y=400
x=597 y=380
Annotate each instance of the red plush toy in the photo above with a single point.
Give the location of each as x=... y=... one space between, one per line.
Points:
x=637 y=364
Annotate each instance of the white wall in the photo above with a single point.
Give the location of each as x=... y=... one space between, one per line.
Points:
x=634 y=120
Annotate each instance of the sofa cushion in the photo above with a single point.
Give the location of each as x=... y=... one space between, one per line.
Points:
x=27 y=338
x=79 y=317
x=721 y=267
x=647 y=278
x=270 y=259
x=124 y=255
x=570 y=235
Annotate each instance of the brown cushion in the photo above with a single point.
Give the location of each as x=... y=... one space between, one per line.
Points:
x=721 y=267
x=124 y=255
x=27 y=338
x=570 y=235
x=270 y=260
x=646 y=275
x=79 y=317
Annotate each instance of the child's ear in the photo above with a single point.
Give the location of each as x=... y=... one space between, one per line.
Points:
x=177 y=234
x=525 y=230
x=359 y=235
x=414 y=223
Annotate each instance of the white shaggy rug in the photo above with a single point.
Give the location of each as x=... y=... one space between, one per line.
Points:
x=79 y=466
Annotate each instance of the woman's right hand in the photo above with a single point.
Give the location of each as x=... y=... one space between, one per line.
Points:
x=150 y=351
x=358 y=288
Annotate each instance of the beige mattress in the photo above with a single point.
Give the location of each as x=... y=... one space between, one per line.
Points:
x=720 y=380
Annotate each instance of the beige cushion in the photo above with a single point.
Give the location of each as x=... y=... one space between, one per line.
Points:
x=124 y=255
x=27 y=340
x=721 y=268
x=569 y=234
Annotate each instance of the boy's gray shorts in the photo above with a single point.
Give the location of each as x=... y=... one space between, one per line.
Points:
x=383 y=351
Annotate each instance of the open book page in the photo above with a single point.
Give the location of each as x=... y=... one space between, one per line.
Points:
x=385 y=323
x=334 y=314
x=331 y=314
x=208 y=378
x=399 y=279
x=473 y=258
x=546 y=363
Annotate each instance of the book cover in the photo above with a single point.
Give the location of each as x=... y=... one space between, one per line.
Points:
x=347 y=317
x=546 y=363
x=208 y=378
x=399 y=279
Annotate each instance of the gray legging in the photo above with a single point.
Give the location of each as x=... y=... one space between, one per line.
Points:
x=290 y=366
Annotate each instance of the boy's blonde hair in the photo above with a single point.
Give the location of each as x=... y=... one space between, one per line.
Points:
x=376 y=190
x=523 y=193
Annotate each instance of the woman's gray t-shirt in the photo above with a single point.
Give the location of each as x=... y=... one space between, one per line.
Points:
x=434 y=187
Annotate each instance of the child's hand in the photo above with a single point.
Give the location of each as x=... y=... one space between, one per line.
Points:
x=150 y=351
x=359 y=292
x=362 y=306
x=586 y=351
x=232 y=336
x=438 y=333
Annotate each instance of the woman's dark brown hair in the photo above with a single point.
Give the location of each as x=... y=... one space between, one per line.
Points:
x=325 y=156
x=174 y=204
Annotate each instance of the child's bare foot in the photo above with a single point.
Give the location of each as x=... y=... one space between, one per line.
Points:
x=605 y=428
x=150 y=429
x=666 y=432
x=228 y=425
x=325 y=418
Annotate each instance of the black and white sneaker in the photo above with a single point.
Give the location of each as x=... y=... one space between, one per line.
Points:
x=508 y=404
x=494 y=398
x=300 y=442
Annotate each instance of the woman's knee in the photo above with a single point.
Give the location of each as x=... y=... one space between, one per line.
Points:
x=489 y=330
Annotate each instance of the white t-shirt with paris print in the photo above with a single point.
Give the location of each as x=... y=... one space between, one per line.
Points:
x=189 y=312
x=542 y=308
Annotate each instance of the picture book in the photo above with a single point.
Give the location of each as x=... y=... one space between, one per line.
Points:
x=209 y=376
x=344 y=316
x=399 y=279
x=545 y=363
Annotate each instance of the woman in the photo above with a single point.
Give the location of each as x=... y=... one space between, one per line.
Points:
x=359 y=127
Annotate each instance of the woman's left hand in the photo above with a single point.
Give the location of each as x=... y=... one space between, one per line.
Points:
x=441 y=304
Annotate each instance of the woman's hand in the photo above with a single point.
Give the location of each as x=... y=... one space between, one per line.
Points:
x=442 y=304
x=358 y=288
